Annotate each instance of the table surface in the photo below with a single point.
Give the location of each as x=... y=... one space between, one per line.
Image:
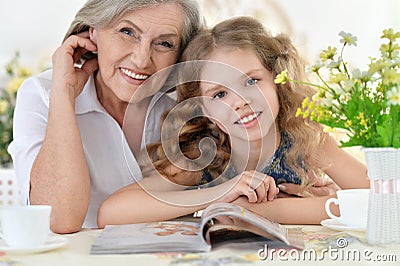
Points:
x=324 y=241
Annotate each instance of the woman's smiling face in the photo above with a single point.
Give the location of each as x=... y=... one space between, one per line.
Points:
x=240 y=95
x=136 y=46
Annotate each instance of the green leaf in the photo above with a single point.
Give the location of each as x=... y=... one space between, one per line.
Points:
x=384 y=132
x=396 y=137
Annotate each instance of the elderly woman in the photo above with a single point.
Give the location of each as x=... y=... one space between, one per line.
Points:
x=67 y=147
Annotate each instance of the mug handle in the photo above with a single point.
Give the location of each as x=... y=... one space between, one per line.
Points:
x=328 y=210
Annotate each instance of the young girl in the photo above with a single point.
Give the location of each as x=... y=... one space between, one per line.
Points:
x=252 y=123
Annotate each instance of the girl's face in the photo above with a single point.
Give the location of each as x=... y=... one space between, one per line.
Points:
x=137 y=46
x=240 y=96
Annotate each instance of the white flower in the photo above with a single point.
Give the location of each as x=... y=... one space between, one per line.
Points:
x=393 y=96
x=314 y=68
x=348 y=85
x=363 y=76
x=394 y=62
x=340 y=91
x=328 y=101
x=334 y=64
x=348 y=38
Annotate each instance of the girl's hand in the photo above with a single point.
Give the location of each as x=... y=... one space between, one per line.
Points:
x=256 y=186
x=67 y=77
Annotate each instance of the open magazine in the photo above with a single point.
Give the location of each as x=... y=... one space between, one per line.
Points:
x=221 y=223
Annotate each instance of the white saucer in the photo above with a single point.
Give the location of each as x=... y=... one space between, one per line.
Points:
x=336 y=225
x=54 y=241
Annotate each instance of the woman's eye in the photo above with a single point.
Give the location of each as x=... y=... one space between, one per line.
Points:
x=166 y=44
x=127 y=32
x=251 y=82
x=220 y=95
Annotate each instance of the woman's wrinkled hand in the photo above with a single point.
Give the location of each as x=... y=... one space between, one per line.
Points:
x=324 y=186
x=67 y=76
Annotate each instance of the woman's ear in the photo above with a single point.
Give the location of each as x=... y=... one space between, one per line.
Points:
x=93 y=35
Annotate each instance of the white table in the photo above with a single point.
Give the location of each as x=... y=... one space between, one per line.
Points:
x=77 y=252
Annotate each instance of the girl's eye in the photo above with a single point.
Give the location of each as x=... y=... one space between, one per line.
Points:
x=251 y=82
x=220 y=95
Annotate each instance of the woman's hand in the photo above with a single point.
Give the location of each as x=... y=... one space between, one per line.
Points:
x=67 y=77
x=324 y=186
x=256 y=186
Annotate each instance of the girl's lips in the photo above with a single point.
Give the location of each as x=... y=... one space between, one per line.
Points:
x=248 y=118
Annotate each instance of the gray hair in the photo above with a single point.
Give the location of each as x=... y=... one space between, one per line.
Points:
x=103 y=13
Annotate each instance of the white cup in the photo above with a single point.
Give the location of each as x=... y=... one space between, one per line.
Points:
x=353 y=207
x=25 y=226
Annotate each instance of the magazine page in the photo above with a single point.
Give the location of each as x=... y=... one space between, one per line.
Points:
x=157 y=237
x=228 y=221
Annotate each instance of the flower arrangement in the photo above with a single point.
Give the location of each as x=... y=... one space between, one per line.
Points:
x=366 y=104
x=17 y=75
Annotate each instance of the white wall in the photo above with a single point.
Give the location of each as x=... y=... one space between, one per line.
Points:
x=36 y=27
x=316 y=24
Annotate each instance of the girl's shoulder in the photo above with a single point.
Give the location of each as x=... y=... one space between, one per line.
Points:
x=328 y=143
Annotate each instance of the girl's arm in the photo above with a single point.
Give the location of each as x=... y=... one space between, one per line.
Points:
x=291 y=210
x=135 y=205
x=157 y=199
x=344 y=169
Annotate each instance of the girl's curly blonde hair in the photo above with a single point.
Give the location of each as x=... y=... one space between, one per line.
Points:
x=276 y=53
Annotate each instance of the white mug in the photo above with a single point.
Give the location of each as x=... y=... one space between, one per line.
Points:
x=353 y=207
x=25 y=226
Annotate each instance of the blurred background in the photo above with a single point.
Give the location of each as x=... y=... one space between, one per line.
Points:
x=36 y=27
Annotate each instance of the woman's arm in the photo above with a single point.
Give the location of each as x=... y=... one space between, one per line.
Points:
x=324 y=186
x=59 y=175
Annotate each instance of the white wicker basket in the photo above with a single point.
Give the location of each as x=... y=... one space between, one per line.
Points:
x=384 y=201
